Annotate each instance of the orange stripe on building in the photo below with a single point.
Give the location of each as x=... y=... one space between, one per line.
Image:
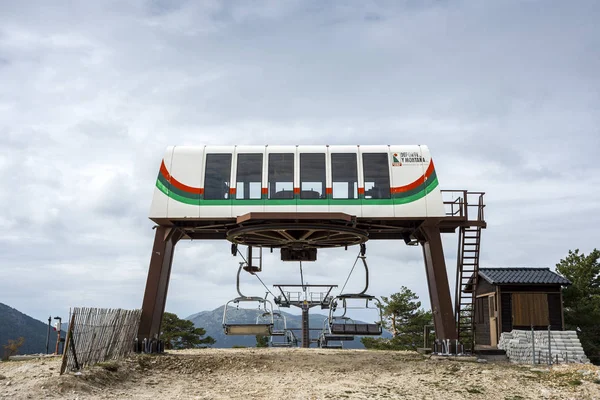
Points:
x=176 y=183
x=296 y=190
x=264 y=191
x=416 y=183
x=231 y=190
x=328 y=191
x=361 y=190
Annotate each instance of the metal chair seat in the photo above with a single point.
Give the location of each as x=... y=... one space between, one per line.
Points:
x=330 y=337
x=249 y=329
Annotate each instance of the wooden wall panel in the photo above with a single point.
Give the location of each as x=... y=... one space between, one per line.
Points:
x=530 y=309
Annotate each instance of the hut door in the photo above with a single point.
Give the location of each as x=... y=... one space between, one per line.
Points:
x=493 y=319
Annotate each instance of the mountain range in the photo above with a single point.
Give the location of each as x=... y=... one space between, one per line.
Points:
x=15 y=324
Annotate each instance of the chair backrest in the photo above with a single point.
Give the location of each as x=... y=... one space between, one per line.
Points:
x=356 y=329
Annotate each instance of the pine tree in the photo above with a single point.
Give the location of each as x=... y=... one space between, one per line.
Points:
x=404 y=317
x=181 y=333
x=581 y=300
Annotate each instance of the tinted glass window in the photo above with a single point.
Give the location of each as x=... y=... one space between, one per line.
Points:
x=377 y=175
x=281 y=176
x=312 y=176
x=249 y=176
x=344 y=173
x=217 y=176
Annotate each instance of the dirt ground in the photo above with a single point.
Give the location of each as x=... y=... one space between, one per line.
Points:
x=296 y=374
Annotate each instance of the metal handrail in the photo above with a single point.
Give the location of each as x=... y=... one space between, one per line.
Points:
x=459 y=206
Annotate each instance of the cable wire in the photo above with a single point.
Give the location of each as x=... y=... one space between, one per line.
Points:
x=241 y=255
x=258 y=277
x=348 y=278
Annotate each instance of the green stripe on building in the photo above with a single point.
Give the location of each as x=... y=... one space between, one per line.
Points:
x=197 y=200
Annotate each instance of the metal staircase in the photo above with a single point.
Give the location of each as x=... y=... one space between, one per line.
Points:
x=467 y=207
x=466 y=282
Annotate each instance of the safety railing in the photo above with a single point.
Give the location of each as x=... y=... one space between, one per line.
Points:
x=464 y=204
x=312 y=297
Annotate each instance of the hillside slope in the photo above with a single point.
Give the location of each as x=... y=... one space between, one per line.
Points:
x=14 y=324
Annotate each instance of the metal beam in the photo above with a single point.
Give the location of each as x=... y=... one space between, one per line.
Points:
x=437 y=281
x=157 y=284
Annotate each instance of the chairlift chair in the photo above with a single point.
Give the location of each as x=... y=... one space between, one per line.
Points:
x=279 y=329
x=370 y=302
x=289 y=340
x=354 y=329
x=256 y=328
x=326 y=337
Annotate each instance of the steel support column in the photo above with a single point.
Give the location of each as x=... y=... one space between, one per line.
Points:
x=305 y=327
x=437 y=281
x=157 y=284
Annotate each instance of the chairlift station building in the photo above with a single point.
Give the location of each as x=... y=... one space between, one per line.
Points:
x=303 y=198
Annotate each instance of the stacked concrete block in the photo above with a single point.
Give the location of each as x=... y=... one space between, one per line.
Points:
x=564 y=347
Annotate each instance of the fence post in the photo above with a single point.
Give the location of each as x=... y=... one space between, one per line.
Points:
x=549 y=346
x=532 y=346
x=65 y=355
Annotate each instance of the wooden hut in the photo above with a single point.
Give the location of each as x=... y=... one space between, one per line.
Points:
x=516 y=298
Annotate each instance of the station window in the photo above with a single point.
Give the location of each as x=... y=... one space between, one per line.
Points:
x=312 y=176
x=249 y=176
x=344 y=173
x=217 y=176
x=281 y=176
x=377 y=175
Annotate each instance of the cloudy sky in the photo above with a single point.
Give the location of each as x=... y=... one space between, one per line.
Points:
x=506 y=94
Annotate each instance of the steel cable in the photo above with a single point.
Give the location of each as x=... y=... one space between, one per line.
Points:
x=348 y=278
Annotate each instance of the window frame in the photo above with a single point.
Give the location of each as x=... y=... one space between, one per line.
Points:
x=323 y=181
x=270 y=163
x=357 y=176
x=387 y=194
x=260 y=181
x=228 y=182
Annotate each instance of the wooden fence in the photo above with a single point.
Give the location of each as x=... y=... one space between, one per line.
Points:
x=99 y=334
